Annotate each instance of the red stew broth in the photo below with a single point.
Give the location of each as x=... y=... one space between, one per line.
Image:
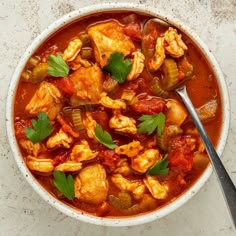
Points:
x=201 y=88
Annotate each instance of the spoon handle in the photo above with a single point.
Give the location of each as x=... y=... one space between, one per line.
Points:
x=226 y=183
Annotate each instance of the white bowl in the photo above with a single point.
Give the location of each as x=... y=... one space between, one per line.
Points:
x=126 y=221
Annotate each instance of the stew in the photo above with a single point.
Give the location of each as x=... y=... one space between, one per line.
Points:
x=98 y=122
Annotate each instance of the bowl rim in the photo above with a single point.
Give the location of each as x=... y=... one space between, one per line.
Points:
x=64 y=21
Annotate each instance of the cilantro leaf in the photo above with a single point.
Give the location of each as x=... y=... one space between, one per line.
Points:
x=63 y=184
x=159 y=168
x=104 y=137
x=118 y=67
x=57 y=66
x=151 y=122
x=42 y=128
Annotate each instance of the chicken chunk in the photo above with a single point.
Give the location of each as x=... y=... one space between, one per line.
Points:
x=145 y=160
x=207 y=111
x=136 y=187
x=156 y=61
x=88 y=85
x=110 y=103
x=46 y=99
x=123 y=124
x=79 y=62
x=137 y=66
x=176 y=113
x=157 y=190
x=122 y=167
x=72 y=50
x=107 y=38
x=30 y=148
x=69 y=166
x=91 y=185
x=82 y=152
x=41 y=165
x=60 y=139
x=130 y=150
x=175 y=45
x=90 y=125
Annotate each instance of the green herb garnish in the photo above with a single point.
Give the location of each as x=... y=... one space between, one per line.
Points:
x=57 y=66
x=159 y=168
x=104 y=137
x=151 y=122
x=63 y=184
x=42 y=128
x=118 y=67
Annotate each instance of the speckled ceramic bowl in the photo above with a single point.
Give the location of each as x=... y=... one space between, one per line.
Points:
x=128 y=221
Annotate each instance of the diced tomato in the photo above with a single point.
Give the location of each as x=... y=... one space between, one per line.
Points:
x=109 y=159
x=20 y=127
x=60 y=158
x=180 y=155
x=65 y=85
x=133 y=30
x=52 y=50
x=149 y=106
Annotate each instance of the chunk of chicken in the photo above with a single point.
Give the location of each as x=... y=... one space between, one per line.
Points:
x=122 y=167
x=91 y=185
x=60 y=139
x=122 y=123
x=175 y=45
x=176 y=113
x=90 y=125
x=130 y=150
x=43 y=165
x=72 y=50
x=88 y=85
x=107 y=38
x=157 y=190
x=79 y=62
x=136 y=187
x=156 y=61
x=69 y=166
x=30 y=148
x=145 y=160
x=207 y=111
x=110 y=103
x=137 y=66
x=47 y=99
x=82 y=152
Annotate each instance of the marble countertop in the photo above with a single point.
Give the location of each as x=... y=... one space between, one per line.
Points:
x=23 y=212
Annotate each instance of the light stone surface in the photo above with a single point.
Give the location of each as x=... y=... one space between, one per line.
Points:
x=23 y=212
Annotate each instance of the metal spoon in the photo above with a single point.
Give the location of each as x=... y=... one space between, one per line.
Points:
x=227 y=186
x=225 y=181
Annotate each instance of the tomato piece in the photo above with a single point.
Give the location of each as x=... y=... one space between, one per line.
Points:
x=65 y=85
x=60 y=158
x=109 y=159
x=20 y=127
x=180 y=155
x=148 y=106
x=133 y=30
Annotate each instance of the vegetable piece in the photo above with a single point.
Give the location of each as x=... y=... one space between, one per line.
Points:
x=67 y=110
x=39 y=72
x=200 y=160
x=84 y=38
x=86 y=53
x=26 y=75
x=157 y=89
x=171 y=75
x=207 y=111
x=77 y=120
x=160 y=168
x=57 y=66
x=33 y=61
x=42 y=128
x=133 y=30
x=64 y=185
x=123 y=201
x=118 y=67
x=150 y=123
x=110 y=84
x=104 y=137
x=65 y=85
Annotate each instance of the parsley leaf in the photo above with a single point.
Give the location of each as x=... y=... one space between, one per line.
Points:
x=150 y=123
x=63 y=184
x=118 y=67
x=104 y=137
x=57 y=66
x=160 y=168
x=42 y=128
